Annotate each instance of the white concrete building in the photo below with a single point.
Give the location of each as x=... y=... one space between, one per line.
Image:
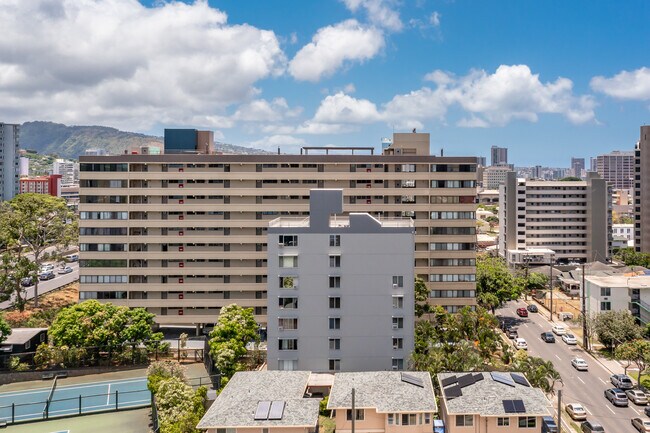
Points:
x=69 y=171
x=9 y=160
x=619 y=292
x=572 y=218
x=622 y=235
x=340 y=289
x=495 y=175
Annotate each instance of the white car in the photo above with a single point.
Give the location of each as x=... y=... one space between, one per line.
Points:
x=579 y=364
x=576 y=411
x=558 y=329
x=520 y=343
x=570 y=339
x=637 y=397
x=47 y=267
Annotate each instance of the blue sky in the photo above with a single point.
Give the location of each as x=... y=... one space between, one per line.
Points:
x=549 y=80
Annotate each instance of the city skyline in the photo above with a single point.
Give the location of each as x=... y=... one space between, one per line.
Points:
x=535 y=78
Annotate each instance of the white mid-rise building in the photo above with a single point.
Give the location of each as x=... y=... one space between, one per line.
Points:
x=572 y=218
x=622 y=235
x=619 y=293
x=69 y=171
x=495 y=175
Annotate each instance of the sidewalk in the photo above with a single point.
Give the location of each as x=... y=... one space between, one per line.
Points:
x=614 y=367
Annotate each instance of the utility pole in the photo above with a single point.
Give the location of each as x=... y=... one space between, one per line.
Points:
x=354 y=412
x=550 y=283
x=526 y=262
x=559 y=410
x=583 y=295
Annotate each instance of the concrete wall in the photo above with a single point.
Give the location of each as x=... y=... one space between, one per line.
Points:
x=378 y=422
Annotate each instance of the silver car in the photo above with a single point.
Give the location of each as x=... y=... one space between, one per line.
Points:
x=641 y=425
x=637 y=397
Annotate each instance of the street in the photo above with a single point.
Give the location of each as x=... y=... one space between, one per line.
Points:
x=585 y=387
x=49 y=285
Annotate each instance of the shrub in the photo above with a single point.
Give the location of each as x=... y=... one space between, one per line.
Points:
x=161 y=370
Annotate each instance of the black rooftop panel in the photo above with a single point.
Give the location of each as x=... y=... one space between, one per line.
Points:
x=448 y=381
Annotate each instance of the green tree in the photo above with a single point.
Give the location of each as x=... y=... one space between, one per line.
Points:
x=494 y=278
x=235 y=328
x=632 y=258
x=540 y=373
x=616 y=327
x=421 y=298
x=38 y=222
x=163 y=370
x=635 y=351
x=570 y=179
x=180 y=408
x=5 y=330
x=92 y=323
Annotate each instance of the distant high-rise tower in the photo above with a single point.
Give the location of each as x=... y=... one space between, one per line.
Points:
x=9 y=160
x=499 y=155
x=642 y=192
x=577 y=166
x=616 y=167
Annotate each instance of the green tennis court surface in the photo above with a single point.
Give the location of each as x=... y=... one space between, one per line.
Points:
x=74 y=399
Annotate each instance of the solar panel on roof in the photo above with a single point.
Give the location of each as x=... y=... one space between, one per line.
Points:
x=277 y=409
x=262 y=411
x=448 y=381
x=477 y=377
x=465 y=380
x=412 y=380
x=519 y=406
x=502 y=378
x=453 y=392
x=520 y=379
x=508 y=406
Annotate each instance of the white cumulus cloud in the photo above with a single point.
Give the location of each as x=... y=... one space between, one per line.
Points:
x=261 y=110
x=342 y=108
x=286 y=143
x=333 y=46
x=118 y=62
x=633 y=85
x=381 y=13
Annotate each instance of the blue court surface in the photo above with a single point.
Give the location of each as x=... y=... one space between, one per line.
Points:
x=74 y=399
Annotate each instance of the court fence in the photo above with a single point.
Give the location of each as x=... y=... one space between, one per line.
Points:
x=75 y=406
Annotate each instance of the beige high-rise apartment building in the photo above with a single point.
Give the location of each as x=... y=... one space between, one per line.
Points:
x=642 y=192
x=184 y=234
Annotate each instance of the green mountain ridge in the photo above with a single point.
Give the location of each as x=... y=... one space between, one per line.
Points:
x=71 y=141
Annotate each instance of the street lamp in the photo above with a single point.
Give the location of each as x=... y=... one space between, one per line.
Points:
x=526 y=260
x=550 y=282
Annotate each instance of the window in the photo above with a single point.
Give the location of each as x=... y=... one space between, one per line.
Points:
x=288 y=303
x=409 y=419
x=605 y=306
x=527 y=422
x=288 y=282
x=398 y=322
x=288 y=344
x=103 y=279
x=334 y=323
x=427 y=418
x=335 y=240
x=335 y=261
x=503 y=422
x=335 y=364
x=28 y=345
x=287 y=324
x=605 y=291
x=226 y=430
x=398 y=281
x=398 y=302
x=398 y=343
x=464 y=420
x=335 y=302
x=358 y=415
x=288 y=261
x=288 y=240
x=335 y=344
x=103 y=215
x=288 y=364
x=335 y=282
x=398 y=364
x=391 y=419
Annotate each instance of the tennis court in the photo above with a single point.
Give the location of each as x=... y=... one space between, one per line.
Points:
x=64 y=400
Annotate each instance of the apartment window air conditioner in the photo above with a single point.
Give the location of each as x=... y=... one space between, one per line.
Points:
x=394 y=285
x=395 y=367
x=295 y=286
x=395 y=326
x=280 y=328
x=280 y=244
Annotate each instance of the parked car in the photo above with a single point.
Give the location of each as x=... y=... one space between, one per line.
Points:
x=591 y=427
x=548 y=337
x=570 y=339
x=576 y=411
x=558 y=329
x=512 y=333
x=637 y=397
x=532 y=308
x=621 y=381
x=647 y=410
x=616 y=396
x=64 y=270
x=46 y=276
x=72 y=258
x=522 y=312
x=520 y=343
x=579 y=364
x=641 y=425
x=565 y=316
x=27 y=282
x=46 y=267
x=548 y=425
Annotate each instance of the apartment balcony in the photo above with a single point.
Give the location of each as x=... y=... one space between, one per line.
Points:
x=174 y=304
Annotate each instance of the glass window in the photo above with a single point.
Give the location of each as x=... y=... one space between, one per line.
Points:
x=464 y=420
x=335 y=261
x=334 y=323
x=605 y=306
x=288 y=261
x=335 y=282
x=398 y=322
x=527 y=422
x=288 y=303
x=358 y=417
x=335 y=240
x=288 y=240
x=398 y=343
x=335 y=364
x=335 y=302
x=398 y=364
x=503 y=422
x=605 y=291
x=288 y=344
x=391 y=418
x=409 y=419
x=398 y=281
x=335 y=344
x=398 y=302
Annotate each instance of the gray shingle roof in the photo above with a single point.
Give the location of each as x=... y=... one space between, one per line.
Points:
x=236 y=405
x=384 y=391
x=486 y=397
x=22 y=335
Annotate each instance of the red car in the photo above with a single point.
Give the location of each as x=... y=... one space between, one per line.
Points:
x=522 y=312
